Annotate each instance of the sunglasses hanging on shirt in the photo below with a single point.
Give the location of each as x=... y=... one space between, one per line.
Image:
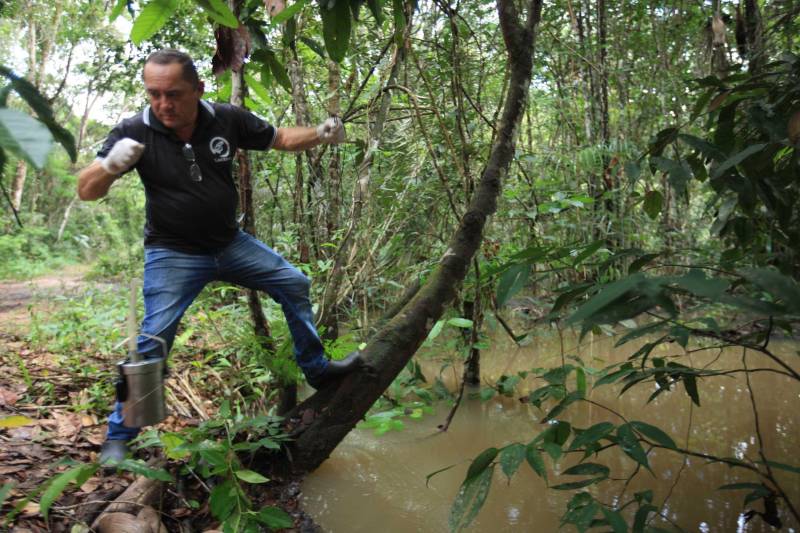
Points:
x=194 y=168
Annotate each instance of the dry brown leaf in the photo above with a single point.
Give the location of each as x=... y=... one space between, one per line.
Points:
x=67 y=424
x=274 y=7
x=25 y=432
x=5 y=470
x=181 y=512
x=91 y=484
x=88 y=420
x=794 y=128
x=97 y=436
x=7 y=397
x=30 y=509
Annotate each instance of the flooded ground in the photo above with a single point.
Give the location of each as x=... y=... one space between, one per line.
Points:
x=378 y=483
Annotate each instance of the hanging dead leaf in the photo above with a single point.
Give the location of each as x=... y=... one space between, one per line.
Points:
x=274 y=7
x=794 y=128
x=233 y=46
x=718 y=100
x=717 y=30
x=7 y=397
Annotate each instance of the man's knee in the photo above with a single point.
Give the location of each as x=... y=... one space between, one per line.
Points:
x=299 y=283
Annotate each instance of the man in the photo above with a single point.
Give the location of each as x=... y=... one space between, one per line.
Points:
x=183 y=148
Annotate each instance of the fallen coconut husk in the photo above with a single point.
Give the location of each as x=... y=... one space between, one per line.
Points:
x=143 y=492
x=121 y=523
x=153 y=519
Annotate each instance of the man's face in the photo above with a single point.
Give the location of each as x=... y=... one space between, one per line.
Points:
x=172 y=98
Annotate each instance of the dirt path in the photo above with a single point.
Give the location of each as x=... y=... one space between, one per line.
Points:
x=16 y=296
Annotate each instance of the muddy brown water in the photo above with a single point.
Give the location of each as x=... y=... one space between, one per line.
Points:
x=378 y=483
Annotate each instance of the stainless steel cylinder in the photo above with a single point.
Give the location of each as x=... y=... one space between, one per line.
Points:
x=143 y=398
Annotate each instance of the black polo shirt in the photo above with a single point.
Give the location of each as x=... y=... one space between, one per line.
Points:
x=192 y=216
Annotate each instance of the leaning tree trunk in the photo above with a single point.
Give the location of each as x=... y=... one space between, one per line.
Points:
x=327 y=417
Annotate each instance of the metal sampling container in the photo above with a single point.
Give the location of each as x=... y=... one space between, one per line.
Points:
x=140 y=387
x=142 y=392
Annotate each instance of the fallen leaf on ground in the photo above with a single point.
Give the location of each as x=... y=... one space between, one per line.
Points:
x=91 y=484
x=7 y=397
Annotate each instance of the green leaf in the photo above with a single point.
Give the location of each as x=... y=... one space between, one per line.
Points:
x=336 y=26
x=653 y=203
x=219 y=12
x=480 y=463
x=511 y=457
x=782 y=466
x=250 y=476
x=704 y=147
x=399 y=21
x=588 y=251
x=615 y=520
x=779 y=286
x=463 y=323
x=741 y=486
x=274 y=518
x=736 y=159
x=580 y=381
x=653 y=433
x=690 y=384
x=511 y=282
x=139 y=467
x=117 y=10
x=696 y=282
x=376 y=8
x=631 y=446
x=624 y=371
x=288 y=12
x=591 y=435
x=313 y=45
x=222 y=500
x=534 y=459
x=471 y=497
x=56 y=487
x=5 y=490
x=24 y=136
x=607 y=295
x=152 y=18
x=256 y=86
x=571 y=398
x=572 y=485
x=587 y=469
x=640 y=519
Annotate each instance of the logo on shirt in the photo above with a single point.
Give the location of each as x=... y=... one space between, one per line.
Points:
x=220 y=149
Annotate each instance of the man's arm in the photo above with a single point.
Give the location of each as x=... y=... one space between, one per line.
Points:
x=94 y=182
x=298 y=138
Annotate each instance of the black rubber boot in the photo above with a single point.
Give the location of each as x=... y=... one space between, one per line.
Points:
x=113 y=452
x=337 y=369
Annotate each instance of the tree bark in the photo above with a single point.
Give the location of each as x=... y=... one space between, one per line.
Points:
x=322 y=421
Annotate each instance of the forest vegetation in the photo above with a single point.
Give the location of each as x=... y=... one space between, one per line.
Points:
x=610 y=169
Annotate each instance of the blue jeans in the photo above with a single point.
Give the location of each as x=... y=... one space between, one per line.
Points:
x=172 y=280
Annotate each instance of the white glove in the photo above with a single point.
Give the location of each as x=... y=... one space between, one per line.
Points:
x=123 y=155
x=331 y=131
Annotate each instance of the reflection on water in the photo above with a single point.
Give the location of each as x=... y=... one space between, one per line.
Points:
x=379 y=483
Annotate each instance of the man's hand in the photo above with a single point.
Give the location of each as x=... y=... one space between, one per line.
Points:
x=331 y=131
x=123 y=155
